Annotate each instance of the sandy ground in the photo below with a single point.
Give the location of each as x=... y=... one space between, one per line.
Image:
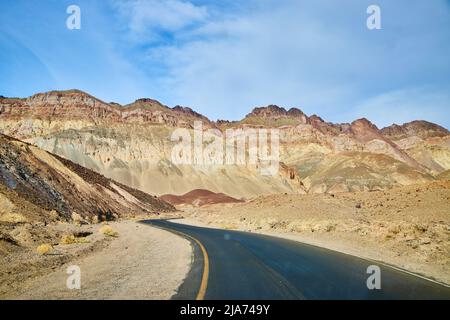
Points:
x=408 y=227
x=141 y=263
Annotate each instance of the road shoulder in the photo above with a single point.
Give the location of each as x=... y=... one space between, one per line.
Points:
x=143 y=262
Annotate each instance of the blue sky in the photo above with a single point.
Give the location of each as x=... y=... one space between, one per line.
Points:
x=222 y=58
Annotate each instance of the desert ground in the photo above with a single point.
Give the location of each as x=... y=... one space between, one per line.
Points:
x=130 y=261
x=407 y=227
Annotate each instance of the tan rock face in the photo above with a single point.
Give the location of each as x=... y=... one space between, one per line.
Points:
x=140 y=156
x=132 y=145
x=427 y=143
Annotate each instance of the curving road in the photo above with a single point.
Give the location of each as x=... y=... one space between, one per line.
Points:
x=234 y=265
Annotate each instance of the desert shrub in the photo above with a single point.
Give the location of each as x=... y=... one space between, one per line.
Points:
x=71 y=239
x=44 y=248
x=109 y=231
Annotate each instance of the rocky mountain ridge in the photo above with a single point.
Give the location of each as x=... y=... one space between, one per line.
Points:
x=132 y=144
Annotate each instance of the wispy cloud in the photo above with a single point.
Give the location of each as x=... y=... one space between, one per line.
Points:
x=146 y=19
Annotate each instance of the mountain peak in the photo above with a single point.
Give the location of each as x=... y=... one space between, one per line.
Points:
x=295 y=112
x=274 y=111
x=420 y=128
x=62 y=93
x=268 y=111
x=188 y=111
x=364 y=123
x=146 y=104
x=273 y=115
x=63 y=98
x=147 y=101
x=316 y=118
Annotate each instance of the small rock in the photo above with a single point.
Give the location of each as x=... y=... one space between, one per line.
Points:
x=425 y=241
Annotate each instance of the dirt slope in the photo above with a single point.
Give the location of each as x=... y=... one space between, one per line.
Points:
x=62 y=190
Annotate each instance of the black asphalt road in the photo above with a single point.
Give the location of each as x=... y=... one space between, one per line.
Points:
x=250 y=266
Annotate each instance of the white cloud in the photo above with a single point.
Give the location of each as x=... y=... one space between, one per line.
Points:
x=146 y=18
x=242 y=61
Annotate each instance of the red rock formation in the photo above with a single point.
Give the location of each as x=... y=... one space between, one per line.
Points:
x=199 y=197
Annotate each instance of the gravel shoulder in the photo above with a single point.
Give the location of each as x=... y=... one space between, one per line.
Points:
x=143 y=262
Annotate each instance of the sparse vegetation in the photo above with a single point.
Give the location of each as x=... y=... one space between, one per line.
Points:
x=109 y=231
x=44 y=248
x=71 y=239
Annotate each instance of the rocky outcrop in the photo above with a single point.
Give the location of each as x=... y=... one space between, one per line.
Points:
x=63 y=190
x=71 y=105
x=152 y=111
x=56 y=110
x=274 y=116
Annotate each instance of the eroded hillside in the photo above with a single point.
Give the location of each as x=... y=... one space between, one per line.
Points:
x=132 y=144
x=37 y=186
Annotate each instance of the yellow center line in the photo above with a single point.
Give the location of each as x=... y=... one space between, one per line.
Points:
x=204 y=283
